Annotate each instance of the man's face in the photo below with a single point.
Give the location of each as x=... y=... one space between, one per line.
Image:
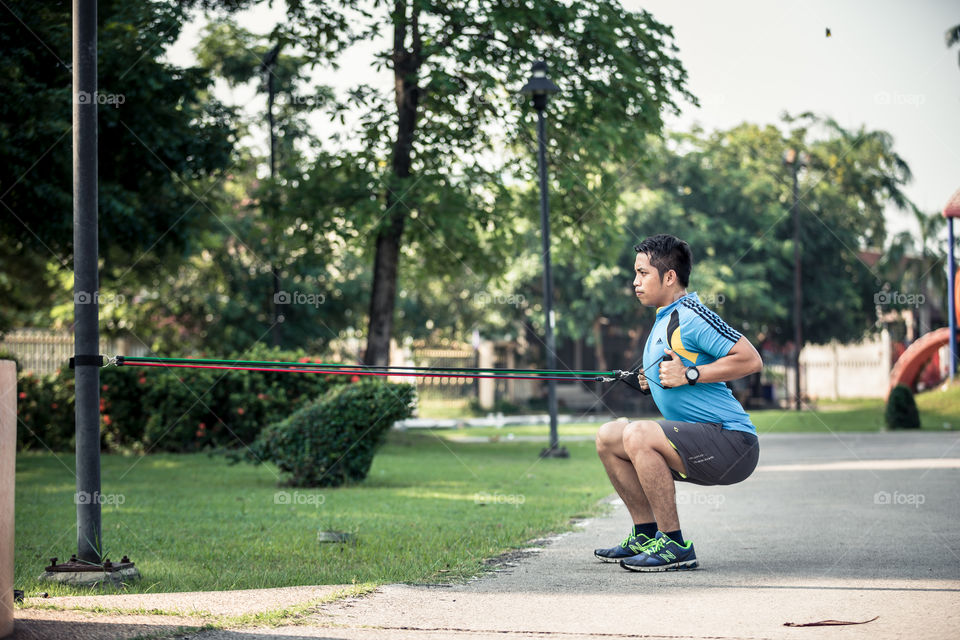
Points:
x=647 y=285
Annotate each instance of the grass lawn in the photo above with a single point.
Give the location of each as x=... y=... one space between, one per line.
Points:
x=939 y=408
x=430 y=510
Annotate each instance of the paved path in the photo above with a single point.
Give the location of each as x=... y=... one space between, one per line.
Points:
x=830 y=527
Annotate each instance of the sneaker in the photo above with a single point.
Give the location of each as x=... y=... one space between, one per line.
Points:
x=662 y=554
x=631 y=546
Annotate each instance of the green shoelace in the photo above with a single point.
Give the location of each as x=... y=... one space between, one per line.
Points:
x=639 y=548
x=655 y=545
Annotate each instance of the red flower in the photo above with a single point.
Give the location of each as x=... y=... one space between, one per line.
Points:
x=354 y=378
x=261 y=396
x=199 y=434
x=201 y=426
x=23 y=394
x=105 y=387
x=53 y=405
x=239 y=411
x=106 y=419
x=141 y=380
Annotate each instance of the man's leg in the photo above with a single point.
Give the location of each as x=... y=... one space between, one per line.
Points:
x=652 y=456
x=620 y=470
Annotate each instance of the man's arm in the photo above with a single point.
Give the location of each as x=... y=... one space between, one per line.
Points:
x=740 y=361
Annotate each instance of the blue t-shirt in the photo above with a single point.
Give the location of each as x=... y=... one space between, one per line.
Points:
x=698 y=336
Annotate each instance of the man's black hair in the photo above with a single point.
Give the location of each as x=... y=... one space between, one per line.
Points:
x=667 y=252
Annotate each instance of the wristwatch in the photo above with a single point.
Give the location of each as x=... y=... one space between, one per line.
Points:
x=693 y=374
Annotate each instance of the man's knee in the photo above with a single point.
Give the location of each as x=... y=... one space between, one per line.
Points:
x=610 y=435
x=641 y=435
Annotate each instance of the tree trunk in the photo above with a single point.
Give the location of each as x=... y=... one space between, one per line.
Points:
x=383 y=297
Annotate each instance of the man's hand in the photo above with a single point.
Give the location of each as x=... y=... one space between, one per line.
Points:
x=642 y=379
x=672 y=371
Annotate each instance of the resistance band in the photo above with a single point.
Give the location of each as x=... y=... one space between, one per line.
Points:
x=328 y=368
x=363 y=370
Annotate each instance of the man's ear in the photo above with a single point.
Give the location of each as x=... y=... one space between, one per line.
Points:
x=670 y=278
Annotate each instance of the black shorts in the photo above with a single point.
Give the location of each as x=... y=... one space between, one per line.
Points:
x=711 y=454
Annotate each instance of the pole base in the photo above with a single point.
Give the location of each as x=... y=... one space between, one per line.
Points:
x=86 y=574
x=555 y=452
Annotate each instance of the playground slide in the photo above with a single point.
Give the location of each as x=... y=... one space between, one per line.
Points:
x=909 y=365
x=911 y=362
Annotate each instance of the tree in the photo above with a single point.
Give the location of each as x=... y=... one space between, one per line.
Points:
x=913 y=267
x=457 y=66
x=162 y=141
x=728 y=194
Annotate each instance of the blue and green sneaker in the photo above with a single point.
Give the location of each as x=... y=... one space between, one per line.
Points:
x=631 y=546
x=662 y=554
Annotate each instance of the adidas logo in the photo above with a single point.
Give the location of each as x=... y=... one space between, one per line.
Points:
x=659 y=340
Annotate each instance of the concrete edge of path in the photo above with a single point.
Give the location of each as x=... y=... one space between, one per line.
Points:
x=161 y=615
x=203 y=606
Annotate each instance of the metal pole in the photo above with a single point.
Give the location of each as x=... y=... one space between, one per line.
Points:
x=85 y=284
x=554 y=447
x=951 y=299
x=797 y=286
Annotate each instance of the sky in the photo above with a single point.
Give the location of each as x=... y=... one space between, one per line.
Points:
x=884 y=66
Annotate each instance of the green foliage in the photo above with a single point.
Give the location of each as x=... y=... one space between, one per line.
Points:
x=162 y=139
x=458 y=68
x=331 y=441
x=192 y=409
x=901 y=410
x=154 y=409
x=728 y=194
x=45 y=412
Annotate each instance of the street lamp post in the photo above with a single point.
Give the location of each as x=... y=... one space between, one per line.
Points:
x=795 y=161
x=540 y=87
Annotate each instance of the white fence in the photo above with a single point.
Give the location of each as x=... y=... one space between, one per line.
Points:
x=858 y=370
x=43 y=351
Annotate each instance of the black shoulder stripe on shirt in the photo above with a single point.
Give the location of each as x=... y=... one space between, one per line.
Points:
x=713 y=320
x=717 y=323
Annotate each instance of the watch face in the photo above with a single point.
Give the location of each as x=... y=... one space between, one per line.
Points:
x=692 y=373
